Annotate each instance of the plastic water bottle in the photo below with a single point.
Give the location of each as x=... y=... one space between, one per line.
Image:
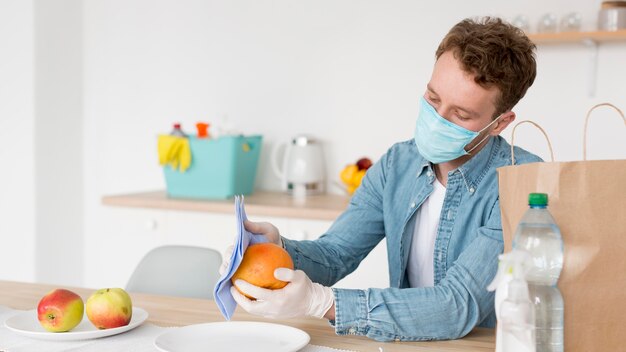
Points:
x=538 y=234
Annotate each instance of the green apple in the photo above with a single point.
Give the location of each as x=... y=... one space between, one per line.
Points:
x=60 y=310
x=109 y=308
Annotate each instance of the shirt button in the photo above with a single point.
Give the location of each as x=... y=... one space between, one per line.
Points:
x=397 y=340
x=429 y=173
x=413 y=205
x=351 y=331
x=471 y=189
x=449 y=214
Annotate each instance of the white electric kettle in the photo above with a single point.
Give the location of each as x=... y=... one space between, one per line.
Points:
x=303 y=170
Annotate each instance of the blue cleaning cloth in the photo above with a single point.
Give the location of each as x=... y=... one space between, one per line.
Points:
x=225 y=301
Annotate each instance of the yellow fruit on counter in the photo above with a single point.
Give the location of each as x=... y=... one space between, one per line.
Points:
x=347 y=174
x=352 y=176
x=358 y=177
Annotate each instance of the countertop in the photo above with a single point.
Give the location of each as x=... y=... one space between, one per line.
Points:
x=260 y=203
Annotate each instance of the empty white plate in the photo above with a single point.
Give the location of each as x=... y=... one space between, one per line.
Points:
x=26 y=324
x=233 y=336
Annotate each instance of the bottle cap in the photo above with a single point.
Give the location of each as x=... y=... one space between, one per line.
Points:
x=537 y=199
x=203 y=129
x=177 y=125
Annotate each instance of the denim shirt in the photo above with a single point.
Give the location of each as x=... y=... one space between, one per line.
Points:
x=469 y=240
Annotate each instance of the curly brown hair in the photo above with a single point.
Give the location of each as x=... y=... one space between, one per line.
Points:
x=497 y=54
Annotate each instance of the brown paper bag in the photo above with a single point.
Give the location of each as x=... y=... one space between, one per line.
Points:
x=588 y=201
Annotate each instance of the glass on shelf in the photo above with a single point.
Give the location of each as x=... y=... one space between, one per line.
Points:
x=547 y=23
x=571 y=22
x=521 y=22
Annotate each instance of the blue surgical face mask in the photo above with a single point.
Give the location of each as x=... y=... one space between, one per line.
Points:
x=439 y=140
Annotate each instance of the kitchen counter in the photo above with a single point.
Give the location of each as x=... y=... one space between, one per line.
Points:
x=178 y=311
x=260 y=203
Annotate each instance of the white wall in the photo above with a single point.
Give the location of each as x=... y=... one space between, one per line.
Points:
x=41 y=227
x=58 y=141
x=348 y=72
x=17 y=177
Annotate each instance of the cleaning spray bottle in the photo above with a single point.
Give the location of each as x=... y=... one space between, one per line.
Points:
x=514 y=310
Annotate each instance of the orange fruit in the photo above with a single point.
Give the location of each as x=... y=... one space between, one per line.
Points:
x=258 y=265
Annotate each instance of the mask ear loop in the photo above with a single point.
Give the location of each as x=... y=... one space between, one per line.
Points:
x=487 y=136
x=540 y=129
x=479 y=143
x=587 y=122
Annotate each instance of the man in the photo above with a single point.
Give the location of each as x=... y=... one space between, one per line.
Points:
x=433 y=198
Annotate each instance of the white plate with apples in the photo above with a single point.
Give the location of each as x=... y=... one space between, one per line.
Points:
x=62 y=316
x=26 y=324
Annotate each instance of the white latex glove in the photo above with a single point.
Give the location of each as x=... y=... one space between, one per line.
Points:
x=264 y=228
x=257 y=228
x=301 y=297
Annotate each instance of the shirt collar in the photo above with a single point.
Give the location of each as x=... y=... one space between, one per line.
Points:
x=476 y=168
x=426 y=165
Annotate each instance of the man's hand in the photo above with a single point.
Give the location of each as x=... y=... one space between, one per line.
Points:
x=264 y=228
x=301 y=297
x=256 y=228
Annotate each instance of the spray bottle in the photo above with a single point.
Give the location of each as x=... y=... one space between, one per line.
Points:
x=514 y=310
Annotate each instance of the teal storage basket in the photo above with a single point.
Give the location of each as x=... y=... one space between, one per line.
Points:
x=220 y=168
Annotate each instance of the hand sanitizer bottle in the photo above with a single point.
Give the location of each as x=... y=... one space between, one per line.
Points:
x=515 y=312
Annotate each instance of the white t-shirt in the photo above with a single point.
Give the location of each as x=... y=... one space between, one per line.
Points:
x=420 y=268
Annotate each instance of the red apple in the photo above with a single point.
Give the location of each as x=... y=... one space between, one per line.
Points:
x=60 y=310
x=364 y=163
x=109 y=308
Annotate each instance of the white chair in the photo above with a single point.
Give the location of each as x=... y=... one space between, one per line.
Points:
x=177 y=271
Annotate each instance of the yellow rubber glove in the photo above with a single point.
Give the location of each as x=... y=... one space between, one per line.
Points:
x=184 y=155
x=174 y=151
